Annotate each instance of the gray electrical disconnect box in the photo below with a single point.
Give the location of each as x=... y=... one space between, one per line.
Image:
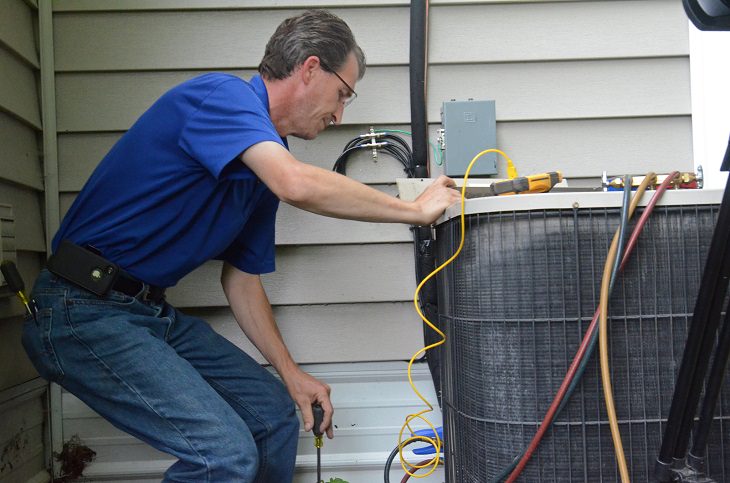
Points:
x=469 y=127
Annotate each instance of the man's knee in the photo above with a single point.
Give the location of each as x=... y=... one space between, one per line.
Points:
x=286 y=417
x=290 y=423
x=237 y=448
x=231 y=456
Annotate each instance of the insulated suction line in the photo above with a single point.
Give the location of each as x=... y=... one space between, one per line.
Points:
x=436 y=442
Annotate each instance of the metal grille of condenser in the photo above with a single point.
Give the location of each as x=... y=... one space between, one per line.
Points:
x=515 y=306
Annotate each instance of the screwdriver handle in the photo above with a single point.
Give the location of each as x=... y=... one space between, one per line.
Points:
x=12 y=276
x=16 y=284
x=318 y=413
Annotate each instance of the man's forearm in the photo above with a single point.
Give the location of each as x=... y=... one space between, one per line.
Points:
x=254 y=315
x=327 y=193
x=253 y=312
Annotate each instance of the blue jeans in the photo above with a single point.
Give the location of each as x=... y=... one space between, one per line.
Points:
x=168 y=379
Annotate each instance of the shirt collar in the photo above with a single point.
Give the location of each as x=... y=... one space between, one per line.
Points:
x=257 y=83
x=259 y=88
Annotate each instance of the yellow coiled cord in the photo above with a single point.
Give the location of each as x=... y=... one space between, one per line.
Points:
x=436 y=441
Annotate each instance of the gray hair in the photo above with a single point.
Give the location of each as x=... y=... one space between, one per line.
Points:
x=314 y=32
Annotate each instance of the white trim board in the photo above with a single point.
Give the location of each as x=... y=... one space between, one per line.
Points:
x=710 y=76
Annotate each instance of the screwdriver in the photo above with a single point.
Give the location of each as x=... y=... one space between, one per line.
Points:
x=16 y=284
x=318 y=413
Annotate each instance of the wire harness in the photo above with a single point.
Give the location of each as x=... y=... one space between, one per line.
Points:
x=387 y=141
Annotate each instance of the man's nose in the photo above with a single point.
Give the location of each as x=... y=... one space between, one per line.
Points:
x=337 y=117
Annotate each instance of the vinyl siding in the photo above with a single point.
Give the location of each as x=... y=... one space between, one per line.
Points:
x=21 y=180
x=23 y=433
x=23 y=406
x=580 y=86
x=594 y=86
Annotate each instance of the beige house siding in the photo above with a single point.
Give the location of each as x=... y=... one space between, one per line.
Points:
x=23 y=428
x=580 y=86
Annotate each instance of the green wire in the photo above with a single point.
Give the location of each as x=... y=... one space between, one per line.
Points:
x=436 y=155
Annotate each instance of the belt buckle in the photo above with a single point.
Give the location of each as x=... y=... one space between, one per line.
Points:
x=149 y=295
x=145 y=295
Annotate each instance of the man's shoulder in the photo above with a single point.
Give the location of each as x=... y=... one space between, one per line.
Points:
x=213 y=80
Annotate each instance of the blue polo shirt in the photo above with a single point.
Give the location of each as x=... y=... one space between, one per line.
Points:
x=172 y=193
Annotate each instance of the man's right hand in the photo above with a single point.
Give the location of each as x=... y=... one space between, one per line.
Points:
x=436 y=198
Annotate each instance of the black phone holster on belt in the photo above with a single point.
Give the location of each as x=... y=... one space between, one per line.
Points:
x=84 y=268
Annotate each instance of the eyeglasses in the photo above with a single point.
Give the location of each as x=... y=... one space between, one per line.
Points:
x=347 y=99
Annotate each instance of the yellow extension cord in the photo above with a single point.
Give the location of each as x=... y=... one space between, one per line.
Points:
x=603 y=337
x=436 y=441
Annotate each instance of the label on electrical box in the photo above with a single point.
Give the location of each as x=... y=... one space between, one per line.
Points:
x=469 y=127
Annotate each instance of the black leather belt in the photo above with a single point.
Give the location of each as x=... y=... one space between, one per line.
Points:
x=129 y=285
x=85 y=267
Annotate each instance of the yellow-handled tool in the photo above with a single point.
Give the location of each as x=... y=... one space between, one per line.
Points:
x=536 y=183
x=16 y=285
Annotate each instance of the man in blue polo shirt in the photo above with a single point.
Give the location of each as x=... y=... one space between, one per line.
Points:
x=198 y=177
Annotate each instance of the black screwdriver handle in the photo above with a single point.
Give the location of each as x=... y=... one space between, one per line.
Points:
x=318 y=413
x=12 y=276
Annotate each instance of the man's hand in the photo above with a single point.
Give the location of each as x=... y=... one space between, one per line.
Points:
x=436 y=198
x=306 y=390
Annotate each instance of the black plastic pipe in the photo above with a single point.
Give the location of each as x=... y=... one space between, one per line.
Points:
x=418 y=61
x=422 y=237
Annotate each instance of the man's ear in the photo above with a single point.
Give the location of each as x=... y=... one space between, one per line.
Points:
x=309 y=69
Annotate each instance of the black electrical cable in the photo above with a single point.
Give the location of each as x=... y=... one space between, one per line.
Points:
x=391 y=457
x=366 y=141
x=398 y=140
x=396 y=152
x=393 y=145
x=393 y=150
x=340 y=162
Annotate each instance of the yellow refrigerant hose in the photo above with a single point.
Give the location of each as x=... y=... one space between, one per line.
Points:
x=603 y=338
x=409 y=468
